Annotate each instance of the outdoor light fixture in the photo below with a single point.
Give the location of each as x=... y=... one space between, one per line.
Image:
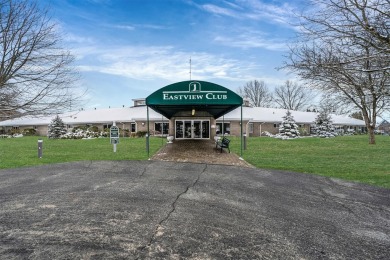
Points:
x=142 y=123
x=193 y=112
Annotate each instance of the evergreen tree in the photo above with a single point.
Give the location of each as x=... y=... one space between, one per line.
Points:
x=288 y=128
x=324 y=125
x=56 y=128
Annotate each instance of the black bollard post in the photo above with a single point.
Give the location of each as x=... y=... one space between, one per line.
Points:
x=147 y=143
x=40 y=147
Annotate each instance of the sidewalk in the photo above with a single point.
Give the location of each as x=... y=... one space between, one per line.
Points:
x=198 y=151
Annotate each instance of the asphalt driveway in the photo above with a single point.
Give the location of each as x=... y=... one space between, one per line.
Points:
x=168 y=210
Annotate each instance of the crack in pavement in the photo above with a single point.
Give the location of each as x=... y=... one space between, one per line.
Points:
x=143 y=172
x=157 y=231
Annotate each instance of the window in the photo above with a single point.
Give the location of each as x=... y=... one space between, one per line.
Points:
x=223 y=128
x=161 y=128
x=276 y=125
x=15 y=129
x=133 y=128
x=313 y=129
x=250 y=128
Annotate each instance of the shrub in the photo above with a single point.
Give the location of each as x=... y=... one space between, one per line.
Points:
x=80 y=134
x=379 y=132
x=93 y=129
x=78 y=128
x=13 y=131
x=350 y=131
x=141 y=133
x=127 y=132
x=29 y=132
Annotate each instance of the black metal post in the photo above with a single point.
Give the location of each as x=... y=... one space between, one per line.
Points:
x=147 y=133
x=40 y=148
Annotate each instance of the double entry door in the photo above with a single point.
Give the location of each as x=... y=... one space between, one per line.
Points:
x=192 y=129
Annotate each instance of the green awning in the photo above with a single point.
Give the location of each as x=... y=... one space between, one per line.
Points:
x=202 y=97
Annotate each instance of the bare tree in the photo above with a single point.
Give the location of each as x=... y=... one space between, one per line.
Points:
x=360 y=21
x=36 y=73
x=292 y=96
x=334 y=105
x=357 y=115
x=338 y=55
x=365 y=20
x=257 y=93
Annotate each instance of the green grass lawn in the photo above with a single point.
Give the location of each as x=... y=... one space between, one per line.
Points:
x=348 y=157
x=344 y=157
x=19 y=152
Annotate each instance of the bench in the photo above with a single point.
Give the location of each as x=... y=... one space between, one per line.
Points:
x=222 y=143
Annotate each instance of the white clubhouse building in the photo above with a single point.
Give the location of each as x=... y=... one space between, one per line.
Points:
x=199 y=110
x=256 y=120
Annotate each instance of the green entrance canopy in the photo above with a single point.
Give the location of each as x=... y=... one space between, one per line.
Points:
x=200 y=98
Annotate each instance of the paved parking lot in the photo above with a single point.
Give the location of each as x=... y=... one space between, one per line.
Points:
x=171 y=210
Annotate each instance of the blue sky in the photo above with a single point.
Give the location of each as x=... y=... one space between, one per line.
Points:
x=129 y=49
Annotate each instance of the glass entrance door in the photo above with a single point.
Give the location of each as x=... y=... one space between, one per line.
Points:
x=188 y=129
x=196 y=133
x=192 y=129
x=206 y=129
x=179 y=129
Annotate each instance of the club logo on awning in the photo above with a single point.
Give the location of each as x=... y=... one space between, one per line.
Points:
x=194 y=86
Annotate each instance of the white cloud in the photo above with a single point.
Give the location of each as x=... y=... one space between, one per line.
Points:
x=253 y=19
x=282 y=14
x=162 y=62
x=124 y=27
x=72 y=38
x=153 y=26
x=252 y=39
x=254 y=10
x=138 y=26
x=220 y=10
